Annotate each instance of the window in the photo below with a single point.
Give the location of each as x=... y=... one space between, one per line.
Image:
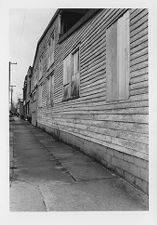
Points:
x=69 y=17
x=50 y=50
x=40 y=96
x=35 y=77
x=117 y=59
x=50 y=90
x=40 y=66
x=71 y=75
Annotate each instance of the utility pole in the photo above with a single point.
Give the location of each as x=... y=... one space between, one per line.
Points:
x=11 y=86
x=10 y=63
x=11 y=89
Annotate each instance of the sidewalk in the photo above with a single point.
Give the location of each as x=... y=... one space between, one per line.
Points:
x=51 y=176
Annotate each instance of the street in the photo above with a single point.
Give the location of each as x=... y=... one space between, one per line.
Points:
x=47 y=175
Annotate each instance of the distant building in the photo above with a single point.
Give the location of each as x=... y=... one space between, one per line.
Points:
x=89 y=86
x=20 y=108
x=26 y=95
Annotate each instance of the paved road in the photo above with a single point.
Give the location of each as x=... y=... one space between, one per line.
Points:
x=47 y=175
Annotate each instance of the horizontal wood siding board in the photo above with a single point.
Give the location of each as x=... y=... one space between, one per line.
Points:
x=139 y=35
x=93 y=65
x=137 y=31
x=109 y=132
x=139 y=53
x=96 y=87
x=122 y=126
x=93 y=72
x=98 y=55
x=96 y=50
x=139 y=66
x=139 y=78
x=99 y=140
x=139 y=84
x=139 y=41
x=139 y=60
x=139 y=72
x=131 y=111
x=135 y=18
x=138 y=48
x=139 y=91
x=139 y=23
x=103 y=108
x=89 y=80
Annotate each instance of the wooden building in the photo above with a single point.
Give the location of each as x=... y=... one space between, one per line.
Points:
x=26 y=95
x=90 y=84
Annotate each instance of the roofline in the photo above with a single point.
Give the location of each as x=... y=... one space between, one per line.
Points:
x=45 y=31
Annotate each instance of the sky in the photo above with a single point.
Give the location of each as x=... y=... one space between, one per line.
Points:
x=25 y=28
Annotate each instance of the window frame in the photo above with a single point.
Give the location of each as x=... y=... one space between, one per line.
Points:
x=50 y=94
x=71 y=55
x=41 y=66
x=51 y=50
x=40 y=100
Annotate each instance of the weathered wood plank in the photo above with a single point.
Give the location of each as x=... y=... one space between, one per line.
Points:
x=139 y=16
x=139 y=66
x=139 y=72
x=139 y=41
x=139 y=35
x=140 y=78
x=139 y=84
x=139 y=53
x=139 y=23
x=139 y=60
x=139 y=91
x=139 y=29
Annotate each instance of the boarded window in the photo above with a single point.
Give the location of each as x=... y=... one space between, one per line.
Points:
x=40 y=96
x=71 y=75
x=117 y=59
x=50 y=91
x=75 y=75
x=41 y=66
x=50 y=50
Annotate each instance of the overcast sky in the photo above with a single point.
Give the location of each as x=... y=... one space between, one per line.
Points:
x=26 y=27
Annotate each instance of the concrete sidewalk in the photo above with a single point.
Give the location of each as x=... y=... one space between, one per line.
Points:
x=47 y=175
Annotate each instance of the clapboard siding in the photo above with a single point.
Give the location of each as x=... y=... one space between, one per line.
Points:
x=119 y=125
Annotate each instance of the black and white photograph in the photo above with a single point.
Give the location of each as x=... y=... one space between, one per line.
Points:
x=79 y=124
x=78 y=110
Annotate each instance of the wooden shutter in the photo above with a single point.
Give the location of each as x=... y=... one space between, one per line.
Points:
x=111 y=62
x=67 y=70
x=76 y=75
x=52 y=49
x=52 y=90
x=40 y=67
x=47 y=93
x=117 y=59
x=67 y=75
x=123 y=56
x=40 y=96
